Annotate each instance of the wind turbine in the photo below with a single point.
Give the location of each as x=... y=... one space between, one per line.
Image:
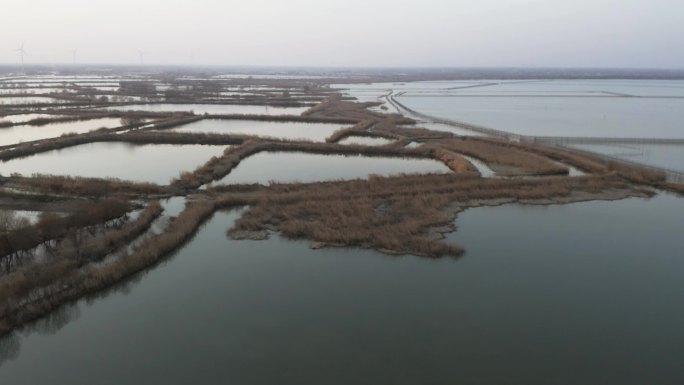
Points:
x=22 y=52
x=73 y=53
x=141 y=54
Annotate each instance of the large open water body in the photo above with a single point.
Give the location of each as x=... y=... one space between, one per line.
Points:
x=563 y=108
x=588 y=293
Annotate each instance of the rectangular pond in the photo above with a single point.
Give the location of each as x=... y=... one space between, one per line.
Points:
x=588 y=293
x=157 y=163
x=27 y=133
x=214 y=109
x=296 y=166
x=316 y=132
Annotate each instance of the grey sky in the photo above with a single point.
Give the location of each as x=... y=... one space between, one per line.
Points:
x=631 y=33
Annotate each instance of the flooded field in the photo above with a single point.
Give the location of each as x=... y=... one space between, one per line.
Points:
x=317 y=132
x=214 y=109
x=157 y=163
x=545 y=293
x=26 y=133
x=294 y=166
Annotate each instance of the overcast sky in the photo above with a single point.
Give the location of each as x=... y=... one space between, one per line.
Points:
x=567 y=33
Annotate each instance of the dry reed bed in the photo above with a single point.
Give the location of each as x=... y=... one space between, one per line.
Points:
x=82 y=186
x=505 y=160
x=375 y=129
x=464 y=187
x=675 y=187
x=596 y=164
x=32 y=293
x=392 y=214
x=335 y=107
x=180 y=138
x=51 y=226
x=456 y=162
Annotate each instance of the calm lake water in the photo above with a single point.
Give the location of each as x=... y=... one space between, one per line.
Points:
x=157 y=163
x=26 y=133
x=588 y=293
x=214 y=109
x=283 y=130
x=614 y=108
x=296 y=166
x=561 y=116
x=659 y=155
x=603 y=87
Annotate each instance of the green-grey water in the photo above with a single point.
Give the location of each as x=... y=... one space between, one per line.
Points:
x=588 y=293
